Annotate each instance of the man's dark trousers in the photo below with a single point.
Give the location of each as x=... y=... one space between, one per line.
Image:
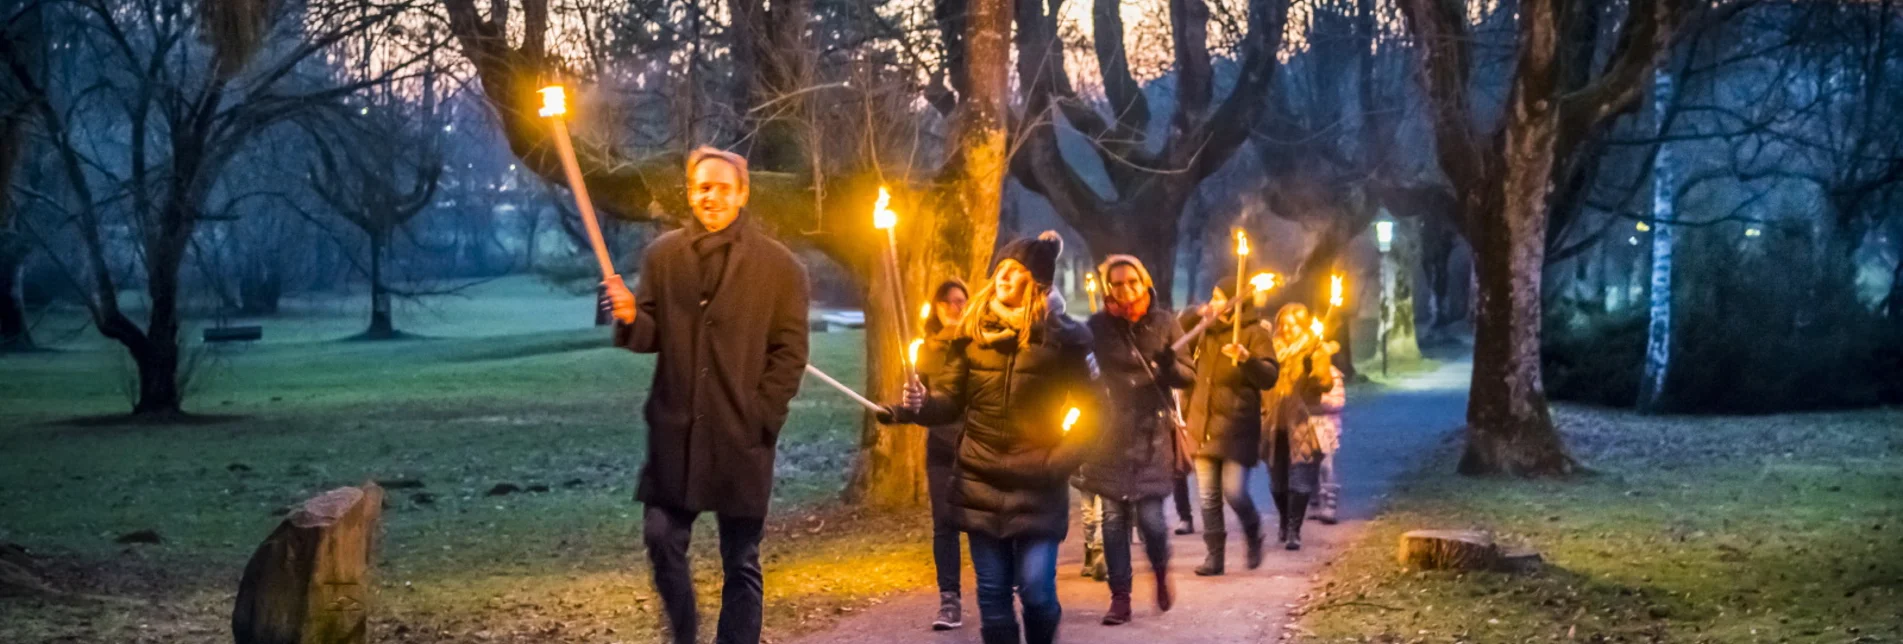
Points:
x=667 y=531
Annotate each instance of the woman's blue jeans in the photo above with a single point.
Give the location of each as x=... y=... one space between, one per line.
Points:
x=1027 y=567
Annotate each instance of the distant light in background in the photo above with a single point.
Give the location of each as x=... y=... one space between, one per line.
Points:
x=1384 y=234
x=1632 y=240
x=449 y=128
x=363 y=111
x=1753 y=232
x=512 y=167
x=1643 y=227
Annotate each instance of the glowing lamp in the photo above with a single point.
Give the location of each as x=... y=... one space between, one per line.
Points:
x=1384 y=235
x=882 y=216
x=554 y=101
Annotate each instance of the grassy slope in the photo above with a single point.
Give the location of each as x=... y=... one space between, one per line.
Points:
x=532 y=406
x=1772 y=529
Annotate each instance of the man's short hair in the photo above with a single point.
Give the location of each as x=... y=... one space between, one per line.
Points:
x=705 y=153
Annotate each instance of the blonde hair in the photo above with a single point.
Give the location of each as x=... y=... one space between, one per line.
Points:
x=1036 y=308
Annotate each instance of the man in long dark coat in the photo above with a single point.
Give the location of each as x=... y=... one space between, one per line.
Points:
x=725 y=307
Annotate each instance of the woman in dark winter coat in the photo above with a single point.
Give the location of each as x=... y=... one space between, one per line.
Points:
x=1132 y=467
x=1224 y=409
x=941 y=445
x=1289 y=442
x=1014 y=368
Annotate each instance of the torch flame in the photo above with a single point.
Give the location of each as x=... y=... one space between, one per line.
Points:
x=925 y=311
x=1090 y=282
x=554 y=101
x=1334 y=290
x=1242 y=243
x=913 y=350
x=1262 y=281
x=1316 y=326
x=882 y=216
x=1070 y=418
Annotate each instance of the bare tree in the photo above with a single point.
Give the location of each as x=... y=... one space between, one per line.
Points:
x=1501 y=176
x=23 y=28
x=1151 y=175
x=793 y=196
x=377 y=171
x=140 y=74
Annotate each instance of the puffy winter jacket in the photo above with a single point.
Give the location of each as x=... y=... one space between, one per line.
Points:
x=1014 y=456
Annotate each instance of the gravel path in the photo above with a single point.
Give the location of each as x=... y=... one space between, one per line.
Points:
x=1387 y=431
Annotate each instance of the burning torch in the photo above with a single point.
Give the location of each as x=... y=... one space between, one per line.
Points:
x=554 y=107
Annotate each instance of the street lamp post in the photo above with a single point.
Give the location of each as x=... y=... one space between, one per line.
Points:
x=1384 y=241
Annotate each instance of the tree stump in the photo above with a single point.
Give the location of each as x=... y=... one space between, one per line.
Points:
x=1448 y=550
x=308 y=583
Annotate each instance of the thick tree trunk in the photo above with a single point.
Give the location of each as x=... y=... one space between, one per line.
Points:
x=891 y=468
x=1509 y=428
x=158 y=355
x=964 y=222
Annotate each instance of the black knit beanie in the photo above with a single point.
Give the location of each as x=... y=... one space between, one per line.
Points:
x=1039 y=254
x=1228 y=286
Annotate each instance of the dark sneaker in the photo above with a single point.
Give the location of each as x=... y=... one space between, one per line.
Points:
x=950 y=613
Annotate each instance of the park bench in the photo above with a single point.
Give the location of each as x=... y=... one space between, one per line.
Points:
x=249 y=333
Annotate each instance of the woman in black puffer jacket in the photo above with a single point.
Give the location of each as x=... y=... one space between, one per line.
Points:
x=1133 y=466
x=1015 y=367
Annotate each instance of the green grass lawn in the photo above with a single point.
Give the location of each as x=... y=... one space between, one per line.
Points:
x=507 y=395
x=1734 y=529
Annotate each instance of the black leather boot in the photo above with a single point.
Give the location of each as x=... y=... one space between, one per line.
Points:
x=1298 y=514
x=1252 y=535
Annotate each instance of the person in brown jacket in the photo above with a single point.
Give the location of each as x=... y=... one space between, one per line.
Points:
x=1224 y=409
x=725 y=307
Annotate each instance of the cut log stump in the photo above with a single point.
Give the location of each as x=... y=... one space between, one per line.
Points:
x=1462 y=550
x=309 y=582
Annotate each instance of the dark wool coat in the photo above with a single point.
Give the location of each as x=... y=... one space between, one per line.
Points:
x=1014 y=457
x=1224 y=404
x=1134 y=457
x=726 y=371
